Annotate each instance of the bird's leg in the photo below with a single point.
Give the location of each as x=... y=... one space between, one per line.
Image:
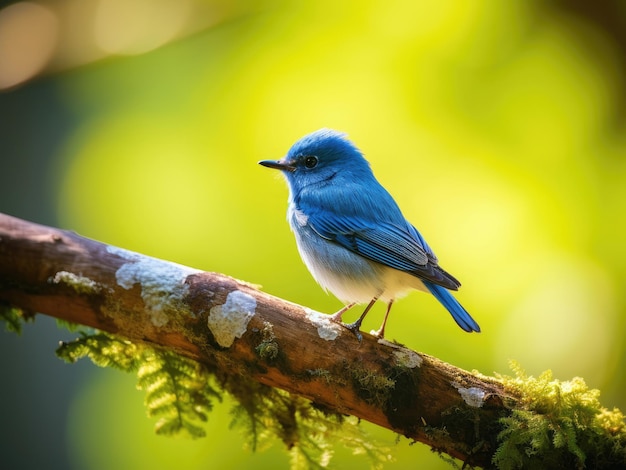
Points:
x=381 y=331
x=336 y=317
x=356 y=326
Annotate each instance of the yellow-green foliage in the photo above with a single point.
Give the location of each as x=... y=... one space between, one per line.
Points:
x=558 y=425
x=13 y=318
x=104 y=350
x=180 y=393
x=309 y=433
x=178 y=390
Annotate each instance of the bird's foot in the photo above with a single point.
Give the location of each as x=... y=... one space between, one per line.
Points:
x=336 y=317
x=380 y=334
x=355 y=328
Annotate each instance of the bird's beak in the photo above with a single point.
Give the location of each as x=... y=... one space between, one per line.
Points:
x=278 y=165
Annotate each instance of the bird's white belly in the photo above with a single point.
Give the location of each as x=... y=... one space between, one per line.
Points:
x=351 y=277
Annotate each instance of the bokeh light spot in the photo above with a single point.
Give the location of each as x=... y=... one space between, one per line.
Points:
x=136 y=27
x=570 y=303
x=28 y=37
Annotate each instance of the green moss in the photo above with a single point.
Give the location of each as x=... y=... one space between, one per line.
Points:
x=180 y=393
x=372 y=387
x=309 y=433
x=13 y=317
x=321 y=373
x=268 y=348
x=558 y=425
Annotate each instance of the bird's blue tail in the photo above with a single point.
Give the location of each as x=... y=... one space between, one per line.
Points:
x=460 y=315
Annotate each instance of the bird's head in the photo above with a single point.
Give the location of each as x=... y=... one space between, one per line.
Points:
x=318 y=158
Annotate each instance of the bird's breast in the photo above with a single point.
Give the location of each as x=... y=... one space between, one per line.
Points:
x=348 y=275
x=298 y=217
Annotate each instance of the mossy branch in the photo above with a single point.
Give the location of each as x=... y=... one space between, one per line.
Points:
x=191 y=334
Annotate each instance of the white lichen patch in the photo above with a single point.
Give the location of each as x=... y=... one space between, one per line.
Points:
x=404 y=357
x=81 y=284
x=230 y=320
x=473 y=396
x=162 y=282
x=326 y=329
x=407 y=358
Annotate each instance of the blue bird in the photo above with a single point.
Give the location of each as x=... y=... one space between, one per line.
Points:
x=352 y=235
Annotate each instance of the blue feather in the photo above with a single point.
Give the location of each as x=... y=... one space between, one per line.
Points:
x=460 y=315
x=352 y=235
x=399 y=246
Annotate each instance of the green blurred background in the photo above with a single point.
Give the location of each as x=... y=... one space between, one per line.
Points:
x=497 y=126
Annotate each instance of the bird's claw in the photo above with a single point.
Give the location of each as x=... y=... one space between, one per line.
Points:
x=380 y=334
x=355 y=329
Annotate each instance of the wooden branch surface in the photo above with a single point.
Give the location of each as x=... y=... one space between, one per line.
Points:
x=229 y=324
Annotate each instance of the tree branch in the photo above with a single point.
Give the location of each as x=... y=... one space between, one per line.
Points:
x=231 y=325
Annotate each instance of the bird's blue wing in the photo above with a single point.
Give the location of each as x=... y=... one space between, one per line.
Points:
x=396 y=246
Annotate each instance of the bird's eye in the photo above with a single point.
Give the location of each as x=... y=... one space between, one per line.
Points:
x=310 y=162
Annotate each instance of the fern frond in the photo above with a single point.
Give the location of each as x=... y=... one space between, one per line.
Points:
x=104 y=350
x=178 y=392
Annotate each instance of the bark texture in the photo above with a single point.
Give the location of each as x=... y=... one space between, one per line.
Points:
x=229 y=324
